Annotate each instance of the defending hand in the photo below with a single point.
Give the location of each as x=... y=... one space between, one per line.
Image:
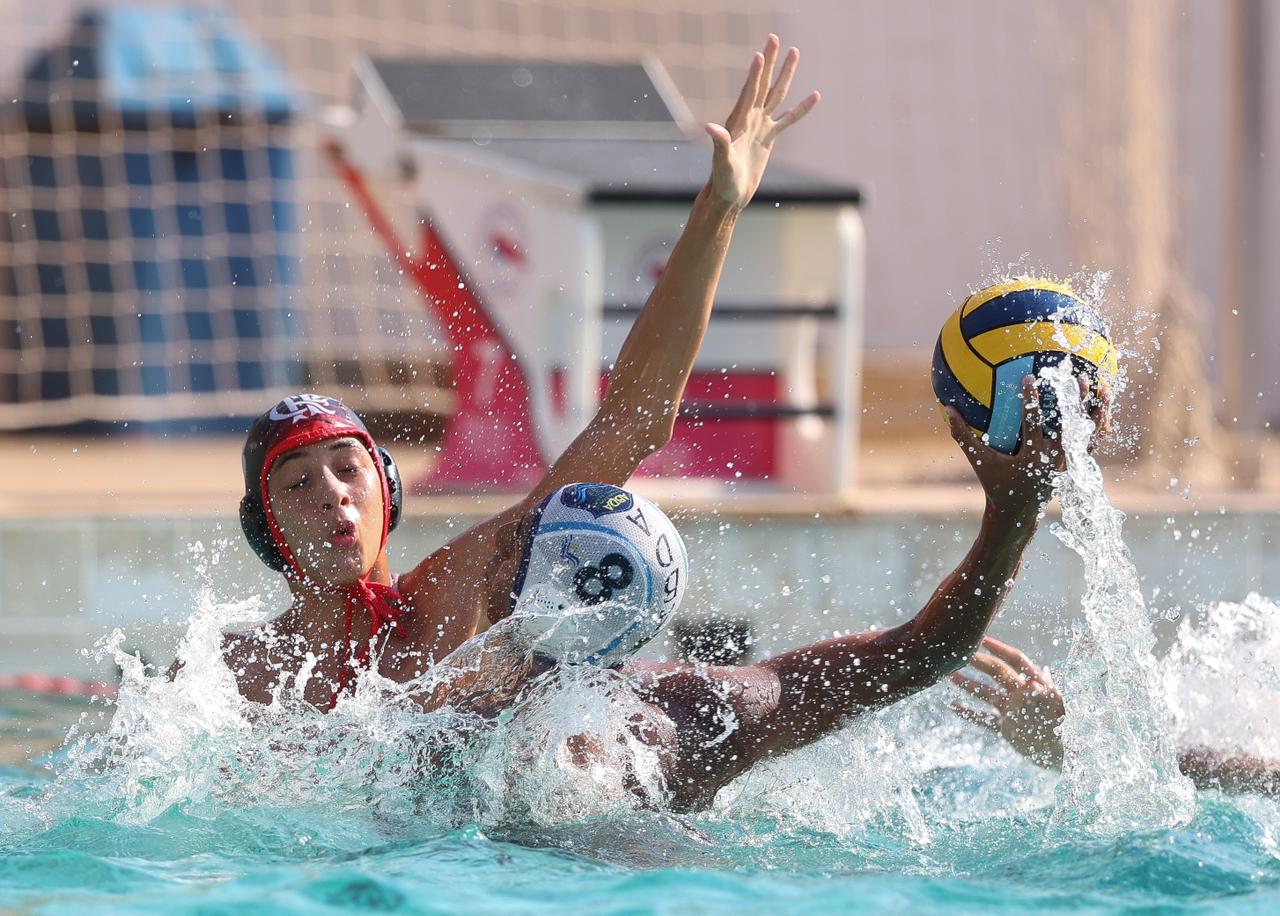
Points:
x=744 y=142
x=1027 y=708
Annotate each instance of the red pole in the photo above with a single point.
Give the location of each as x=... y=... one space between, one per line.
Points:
x=489 y=441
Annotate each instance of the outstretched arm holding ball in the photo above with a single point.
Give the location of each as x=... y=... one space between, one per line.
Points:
x=718 y=722
x=799 y=696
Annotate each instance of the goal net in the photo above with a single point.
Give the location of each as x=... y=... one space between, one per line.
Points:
x=174 y=245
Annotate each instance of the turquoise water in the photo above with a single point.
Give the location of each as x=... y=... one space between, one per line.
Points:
x=187 y=799
x=191 y=801
x=972 y=835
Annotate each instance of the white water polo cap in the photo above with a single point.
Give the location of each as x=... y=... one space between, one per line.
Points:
x=603 y=571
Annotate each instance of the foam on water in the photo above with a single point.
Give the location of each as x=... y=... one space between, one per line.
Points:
x=557 y=764
x=193 y=745
x=1222 y=678
x=192 y=789
x=1120 y=766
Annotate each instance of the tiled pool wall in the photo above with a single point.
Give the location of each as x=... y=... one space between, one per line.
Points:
x=66 y=582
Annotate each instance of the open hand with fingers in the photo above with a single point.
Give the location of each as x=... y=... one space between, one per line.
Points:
x=745 y=140
x=1025 y=708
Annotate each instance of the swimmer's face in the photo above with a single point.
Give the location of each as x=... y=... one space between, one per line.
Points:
x=327 y=500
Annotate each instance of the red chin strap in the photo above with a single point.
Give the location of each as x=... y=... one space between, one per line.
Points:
x=383 y=602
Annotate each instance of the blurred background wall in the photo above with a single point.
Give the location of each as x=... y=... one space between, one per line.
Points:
x=1071 y=137
x=992 y=136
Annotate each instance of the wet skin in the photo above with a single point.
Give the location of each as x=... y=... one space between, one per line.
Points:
x=462 y=587
x=327 y=500
x=778 y=705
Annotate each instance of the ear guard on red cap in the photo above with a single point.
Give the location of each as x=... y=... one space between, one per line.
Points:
x=253 y=515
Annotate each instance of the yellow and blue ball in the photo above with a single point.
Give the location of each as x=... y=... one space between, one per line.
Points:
x=1007 y=331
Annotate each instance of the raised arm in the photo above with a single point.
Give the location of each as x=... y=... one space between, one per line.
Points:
x=462 y=585
x=639 y=409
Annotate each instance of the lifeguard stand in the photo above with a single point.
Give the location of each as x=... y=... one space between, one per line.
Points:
x=549 y=196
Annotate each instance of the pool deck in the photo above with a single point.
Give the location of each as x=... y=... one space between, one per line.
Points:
x=47 y=476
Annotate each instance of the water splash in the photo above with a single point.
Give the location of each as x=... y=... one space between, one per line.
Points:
x=379 y=801
x=561 y=756
x=191 y=746
x=1120 y=769
x=1222 y=677
x=559 y=765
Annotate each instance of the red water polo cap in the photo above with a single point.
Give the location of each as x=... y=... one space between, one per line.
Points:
x=297 y=421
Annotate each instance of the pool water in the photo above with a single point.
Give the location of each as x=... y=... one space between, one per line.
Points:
x=189 y=801
x=181 y=797
x=907 y=813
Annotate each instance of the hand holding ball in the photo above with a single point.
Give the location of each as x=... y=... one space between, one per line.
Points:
x=1005 y=332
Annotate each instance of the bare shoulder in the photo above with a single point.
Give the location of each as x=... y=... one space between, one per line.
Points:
x=458 y=589
x=698 y=697
x=474 y=546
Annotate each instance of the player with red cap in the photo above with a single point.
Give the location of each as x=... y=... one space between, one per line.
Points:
x=321 y=436
x=321 y=497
